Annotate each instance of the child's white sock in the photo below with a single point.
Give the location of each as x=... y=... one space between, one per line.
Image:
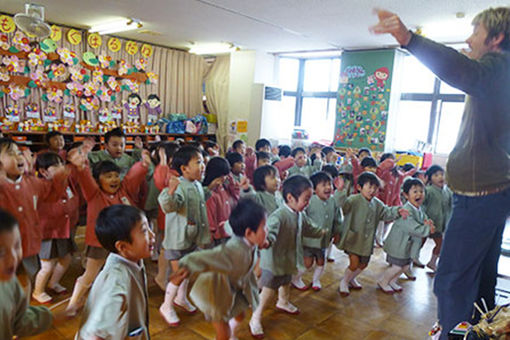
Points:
x=393 y=282
x=167 y=310
x=255 y=325
x=355 y=283
x=317 y=274
x=283 y=300
x=182 y=300
x=297 y=280
x=344 y=283
x=41 y=279
x=388 y=275
x=59 y=271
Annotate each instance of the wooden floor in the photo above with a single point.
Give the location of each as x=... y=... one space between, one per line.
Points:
x=365 y=314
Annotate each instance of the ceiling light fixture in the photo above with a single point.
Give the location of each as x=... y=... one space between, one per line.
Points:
x=457 y=29
x=117 y=26
x=212 y=48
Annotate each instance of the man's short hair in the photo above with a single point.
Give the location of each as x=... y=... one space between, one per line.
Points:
x=496 y=21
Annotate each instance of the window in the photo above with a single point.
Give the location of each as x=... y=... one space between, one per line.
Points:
x=429 y=109
x=310 y=89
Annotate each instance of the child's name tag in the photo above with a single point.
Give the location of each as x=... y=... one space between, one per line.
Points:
x=69 y=193
x=125 y=200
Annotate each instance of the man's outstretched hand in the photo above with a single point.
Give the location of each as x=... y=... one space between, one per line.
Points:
x=390 y=23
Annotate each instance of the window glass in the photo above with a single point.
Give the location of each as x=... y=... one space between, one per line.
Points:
x=416 y=78
x=413 y=119
x=321 y=75
x=449 y=124
x=318 y=118
x=289 y=72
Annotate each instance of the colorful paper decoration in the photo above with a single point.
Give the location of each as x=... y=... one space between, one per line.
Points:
x=36 y=57
x=4 y=74
x=32 y=111
x=74 y=36
x=117 y=112
x=67 y=57
x=48 y=45
x=50 y=114
x=13 y=64
x=94 y=40
x=131 y=47
x=114 y=44
x=21 y=42
x=90 y=59
x=12 y=112
x=106 y=61
x=56 y=33
x=4 y=42
x=7 y=24
x=55 y=95
x=147 y=50
x=69 y=111
x=124 y=67
x=141 y=64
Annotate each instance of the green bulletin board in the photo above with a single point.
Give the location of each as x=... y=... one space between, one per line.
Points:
x=363 y=99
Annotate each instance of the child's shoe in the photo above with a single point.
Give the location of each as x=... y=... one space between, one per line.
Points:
x=58 y=289
x=355 y=285
x=186 y=305
x=385 y=288
x=344 y=289
x=42 y=298
x=169 y=315
x=299 y=284
x=287 y=307
x=410 y=275
x=256 y=329
x=395 y=286
x=417 y=263
x=316 y=286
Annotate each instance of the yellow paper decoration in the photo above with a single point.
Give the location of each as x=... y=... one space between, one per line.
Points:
x=146 y=50
x=74 y=36
x=94 y=40
x=131 y=47
x=114 y=44
x=6 y=24
x=56 y=33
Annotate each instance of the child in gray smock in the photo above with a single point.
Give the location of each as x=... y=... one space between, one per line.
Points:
x=405 y=236
x=224 y=285
x=302 y=166
x=362 y=213
x=287 y=225
x=117 y=306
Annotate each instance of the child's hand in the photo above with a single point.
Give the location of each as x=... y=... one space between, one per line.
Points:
x=336 y=238
x=215 y=183
x=179 y=276
x=430 y=223
x=88 y=145
x=77 y=158
x=265 y=245
x=146 y=158
x=138 y=142
x=245 y=183
x=339 y=183
x=29 y=160
x=275 y=150
x=403 y=213
x=350 y=153
x=285 y=174
x=249 y=151
x=162 y=156
x=173 y=183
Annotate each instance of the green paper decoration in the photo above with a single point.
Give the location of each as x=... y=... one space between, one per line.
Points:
x=32 y=84
x=113 y=63
x=67 y=92
x=1 y=94
x=99 y=92
x=26 y=70
x=147 y=82
x=48 y=45
x=83 y=107
x=86 y=78
x=51 y=75
x=90 y=58
x=124 y=88
x=113 y=98
x=13 y=49
x=105 y=78
x=75 y=61
x=47 y=62
x=27 y=92
x=44 y=97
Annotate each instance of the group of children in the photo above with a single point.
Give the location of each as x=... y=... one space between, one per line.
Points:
x=205 y=218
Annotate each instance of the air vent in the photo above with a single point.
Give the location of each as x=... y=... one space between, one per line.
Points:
x=273 y=93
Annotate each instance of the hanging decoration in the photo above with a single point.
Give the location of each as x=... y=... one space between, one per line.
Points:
x=106 y=61
x=48 y=45
x=7 y=24
x=114 y=44
x=32 y=111
x=13 y=64
x=67 y=57
x=36 y=58
x=90 y=59
x=56 y=33
x=12 y=112
x=94 y=40
x=147 y=50
x=55 y=95
x=131 y=47
x=4 y=74
x=21 y=42
x=4 y=42
x=141 y=64
x=74 y=36
x=50 y=114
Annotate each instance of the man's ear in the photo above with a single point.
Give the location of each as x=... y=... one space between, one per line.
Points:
x=496 y=41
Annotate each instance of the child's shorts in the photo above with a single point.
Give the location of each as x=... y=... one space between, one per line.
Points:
x=177 y=254
x=362 y=259
x=56 y=248
x=397 y=262
x=316 y=253
x=268 y=280
x=97 y=253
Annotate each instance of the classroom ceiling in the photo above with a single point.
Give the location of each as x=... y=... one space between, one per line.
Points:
x=267 y=25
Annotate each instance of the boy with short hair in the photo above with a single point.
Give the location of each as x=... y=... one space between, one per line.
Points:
x=301 y=166
x=17 y=318
x=117 y=306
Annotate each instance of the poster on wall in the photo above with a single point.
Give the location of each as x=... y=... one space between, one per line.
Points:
x=363 y=99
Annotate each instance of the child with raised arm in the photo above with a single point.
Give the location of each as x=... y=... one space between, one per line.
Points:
x=101 y=189
x=302 y=167
x=286 y=227
x=362 y=213
x=324 y=211
x=189 y=229
x=117 y=306
x=20 y=195
x=225 y=285
x=58 y=221
x=405 y=236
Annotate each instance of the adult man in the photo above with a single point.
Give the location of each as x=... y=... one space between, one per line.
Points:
x=478 y=169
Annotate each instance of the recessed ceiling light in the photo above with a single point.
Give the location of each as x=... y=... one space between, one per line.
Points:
x=117 y=26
